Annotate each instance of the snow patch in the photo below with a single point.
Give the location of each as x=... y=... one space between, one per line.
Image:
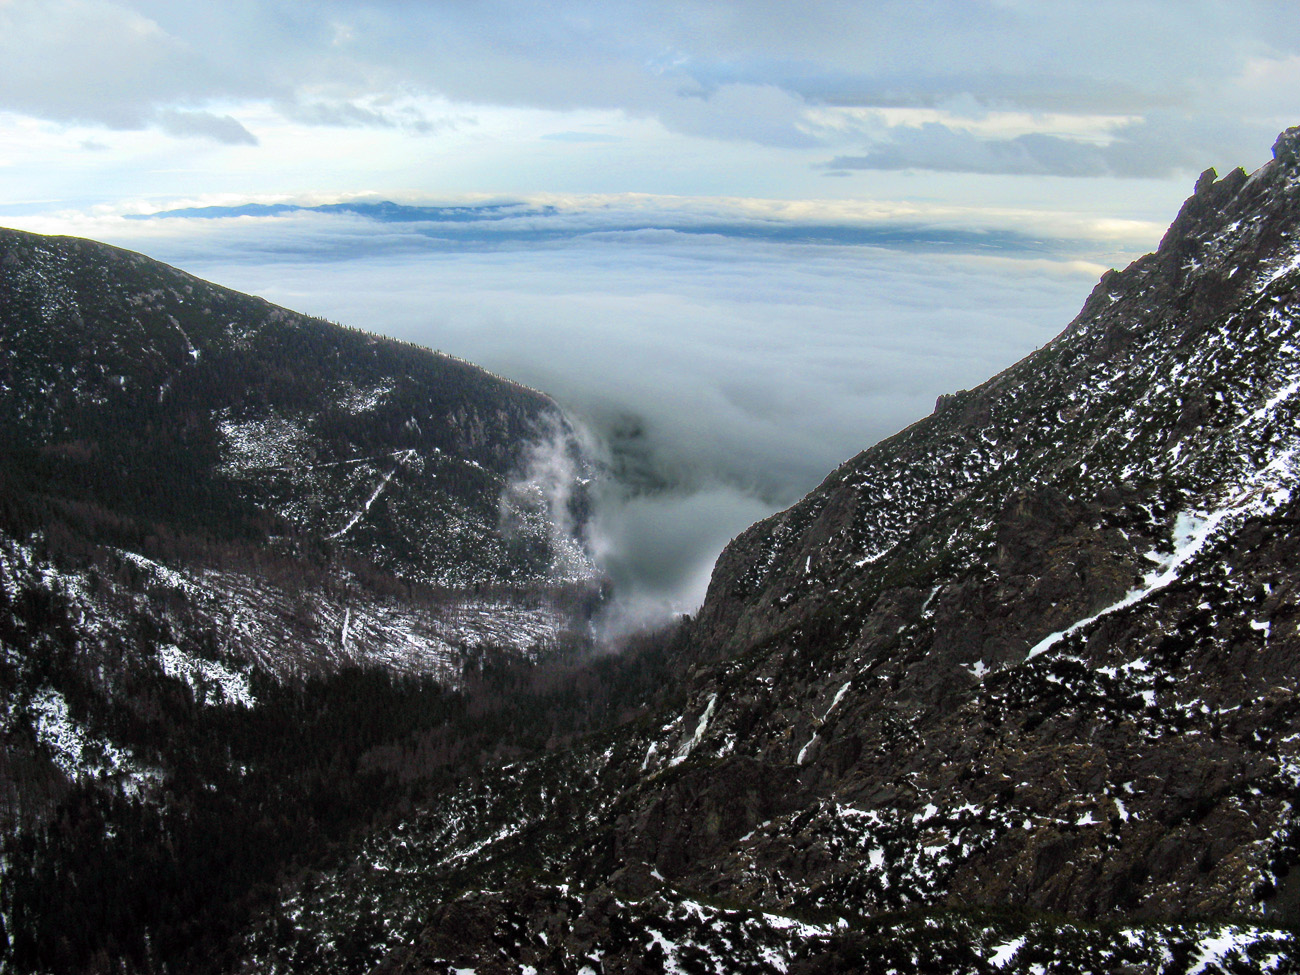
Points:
x=78 y=753
x=1216 y=947
x=379 y=489
x=264 y=442
x=1262 y=494
x=206 y=676
x=1003 y=954
x=684 y=752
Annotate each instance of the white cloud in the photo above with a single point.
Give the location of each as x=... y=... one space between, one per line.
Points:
x=764 y=114
x=1161 y=145
x=102 y=62
x=728 y=374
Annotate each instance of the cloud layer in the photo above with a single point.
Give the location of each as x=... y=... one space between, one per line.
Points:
x=725 y=373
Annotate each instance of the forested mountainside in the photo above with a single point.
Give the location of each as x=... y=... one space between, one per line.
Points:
x=240 y=549
x=301 y=493
x=1012 y=691
x=134 y=389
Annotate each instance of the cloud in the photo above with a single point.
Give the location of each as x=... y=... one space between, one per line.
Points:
x=765 y=114
x=726 y=375
x=750 y=71
x=102 y=62
x=659 y=550
x=583 y=137
x=343 y=113
x=1160 y=146
x=936 y=147
x=205 y=125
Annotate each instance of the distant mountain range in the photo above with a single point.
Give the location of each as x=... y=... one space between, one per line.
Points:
x=522 y=222
x=1013 y=691
x=384 y=211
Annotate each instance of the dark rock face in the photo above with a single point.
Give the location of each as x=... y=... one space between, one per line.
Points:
x=1035 y=654
x=1287 y=146
x=1128 y=488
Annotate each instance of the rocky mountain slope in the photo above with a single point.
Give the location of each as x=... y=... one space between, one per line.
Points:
x=213 y=512
x=278 y=478
x=133 y=386
x=1012 y=691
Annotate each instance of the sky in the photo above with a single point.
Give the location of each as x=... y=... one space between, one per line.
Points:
x=738 y=241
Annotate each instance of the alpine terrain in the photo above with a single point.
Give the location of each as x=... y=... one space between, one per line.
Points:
x=238 y=547
x=1012 y=691
x=286 y=686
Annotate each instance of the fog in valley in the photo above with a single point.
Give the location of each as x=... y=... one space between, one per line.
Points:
x=716 y=377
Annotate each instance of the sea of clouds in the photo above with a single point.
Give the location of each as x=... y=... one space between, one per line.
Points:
x=722 y=363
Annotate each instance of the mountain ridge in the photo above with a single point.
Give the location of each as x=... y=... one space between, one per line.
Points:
x=128 y=353
x=1013 y=689
x=224 y=524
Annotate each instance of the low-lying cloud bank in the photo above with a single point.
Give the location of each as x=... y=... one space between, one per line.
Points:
x=723 y=373
x=497 y=224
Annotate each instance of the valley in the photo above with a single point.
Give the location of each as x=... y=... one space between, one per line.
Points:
x=299 y=675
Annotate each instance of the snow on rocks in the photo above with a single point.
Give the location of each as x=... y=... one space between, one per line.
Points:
x=206 y=678
x=688 y=746
x=216 y=626
x=355 y=399
x=260 y=443
x=1258 y=495
x=79 y=753
x=839 y=696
